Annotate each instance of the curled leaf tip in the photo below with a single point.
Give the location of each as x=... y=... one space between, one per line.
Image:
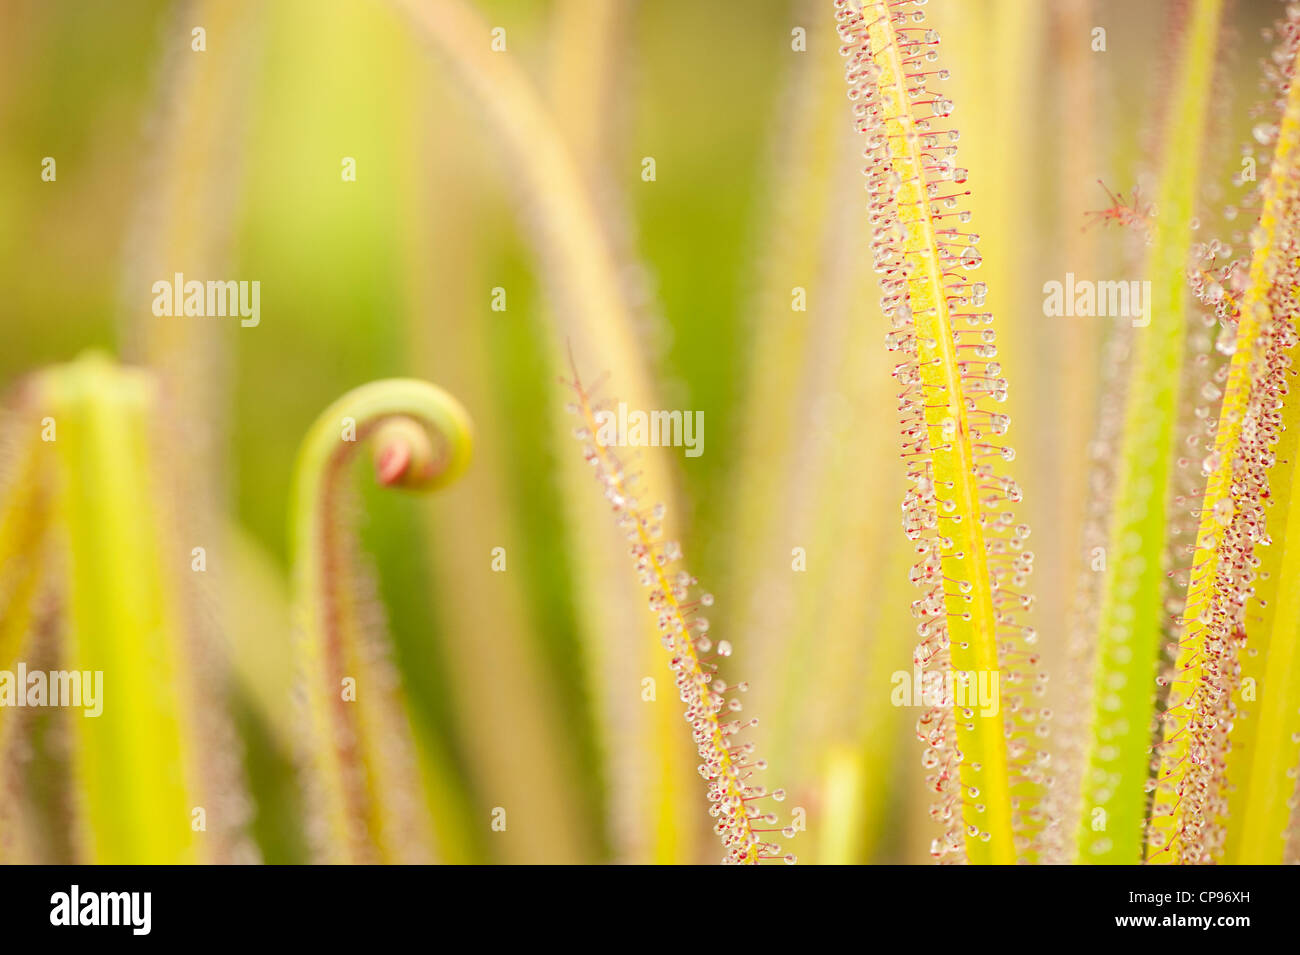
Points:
x=360 y=760
x=404 y=455
x=392 y=462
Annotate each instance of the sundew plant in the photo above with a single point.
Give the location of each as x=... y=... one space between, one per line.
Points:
x=468 y=432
